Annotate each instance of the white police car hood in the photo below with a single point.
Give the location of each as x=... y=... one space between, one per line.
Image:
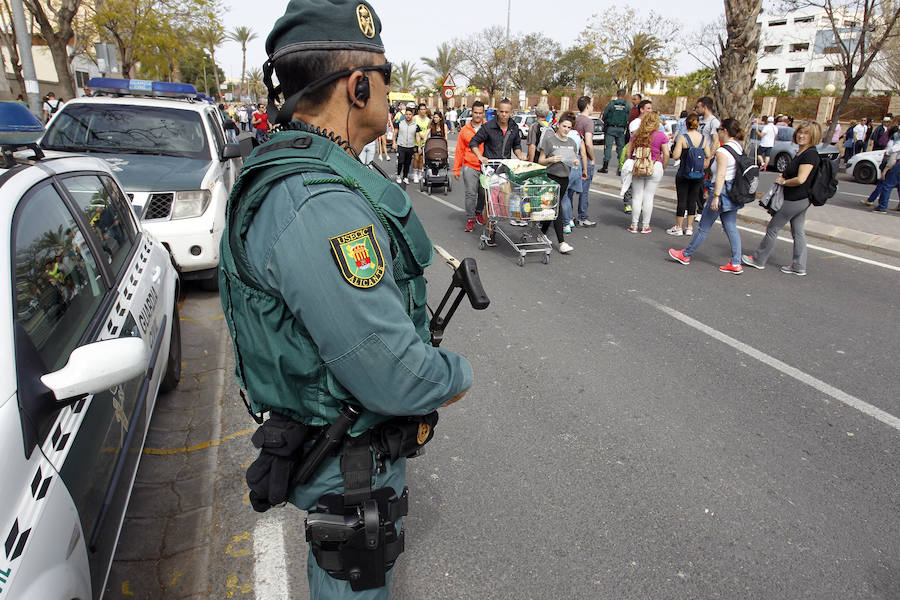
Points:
x=154 y=172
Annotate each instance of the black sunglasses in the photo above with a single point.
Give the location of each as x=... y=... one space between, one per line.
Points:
x=384 y=69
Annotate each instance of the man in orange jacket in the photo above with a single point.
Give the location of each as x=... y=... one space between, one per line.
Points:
x=466 y=163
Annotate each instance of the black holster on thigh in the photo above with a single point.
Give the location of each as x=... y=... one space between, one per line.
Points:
x=354 y=535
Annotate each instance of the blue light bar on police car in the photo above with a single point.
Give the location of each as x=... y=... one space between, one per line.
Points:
x=142 y=87
x=18 y=126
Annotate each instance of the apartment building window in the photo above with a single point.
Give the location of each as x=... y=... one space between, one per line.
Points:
x=772 y=49
x=799 y=47
x=803 y=20
x=832 y=50
x=768 y=71
x=795 y=70
x=850 y=24
x=82 y=78
x=777 y=23
x=831 y=68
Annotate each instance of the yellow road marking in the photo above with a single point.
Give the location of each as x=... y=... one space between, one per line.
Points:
x=202 y=446
x=126 y=588
x=232 y=586
x=230 y=550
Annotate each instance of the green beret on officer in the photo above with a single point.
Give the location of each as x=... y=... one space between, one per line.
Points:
x=323 y=288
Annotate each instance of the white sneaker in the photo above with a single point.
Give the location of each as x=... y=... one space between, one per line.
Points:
x=406 y=180
x=415 y=179
x=567 y=229
x=399 y=179
x=689 y=232
x=565 y=248
x=674 y=230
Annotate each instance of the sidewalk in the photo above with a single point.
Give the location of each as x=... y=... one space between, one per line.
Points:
x=841 y=220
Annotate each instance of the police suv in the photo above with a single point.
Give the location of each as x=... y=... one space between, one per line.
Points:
x=170 y=151
x=90 y=335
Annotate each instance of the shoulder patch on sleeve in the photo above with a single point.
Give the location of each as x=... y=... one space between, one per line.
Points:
x=359 y=257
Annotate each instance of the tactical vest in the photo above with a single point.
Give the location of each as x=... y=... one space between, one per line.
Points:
x=277 y=361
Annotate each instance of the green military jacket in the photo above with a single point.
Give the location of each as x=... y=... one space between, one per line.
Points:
x=322 y=283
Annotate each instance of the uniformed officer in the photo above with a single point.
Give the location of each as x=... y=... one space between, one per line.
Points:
x=323 y=290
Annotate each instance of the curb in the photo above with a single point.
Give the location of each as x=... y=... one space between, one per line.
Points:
x=880 y=244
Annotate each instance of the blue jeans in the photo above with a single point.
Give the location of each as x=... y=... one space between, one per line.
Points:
x=729 y=224
x=584 y=195
x=890 y=182
x=565 y=205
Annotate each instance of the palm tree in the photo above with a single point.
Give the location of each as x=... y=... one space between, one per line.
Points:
x=255 y=83
x=211 y=37
x=641 y=61
x=735 y=74
x=447 y=60
x=242 y=35
x=406 y=76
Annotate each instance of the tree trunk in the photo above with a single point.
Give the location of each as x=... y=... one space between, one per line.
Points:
x=58 y=39
x=736 y=71
x=849 y=85
x=243 y=69
x=218 y=94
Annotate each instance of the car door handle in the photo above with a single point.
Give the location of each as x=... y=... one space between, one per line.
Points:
x=156 y=273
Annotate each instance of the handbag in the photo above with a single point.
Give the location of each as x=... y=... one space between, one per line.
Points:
x=773 y=200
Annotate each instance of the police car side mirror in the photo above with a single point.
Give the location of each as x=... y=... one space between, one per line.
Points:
x=231 y=151
x=99 y=366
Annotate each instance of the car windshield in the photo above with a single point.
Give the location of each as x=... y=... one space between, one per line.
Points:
x=128 y=129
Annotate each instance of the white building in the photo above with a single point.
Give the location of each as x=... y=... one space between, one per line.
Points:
x=798 y=50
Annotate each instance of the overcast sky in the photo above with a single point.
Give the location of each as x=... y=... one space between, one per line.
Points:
x=409 y=31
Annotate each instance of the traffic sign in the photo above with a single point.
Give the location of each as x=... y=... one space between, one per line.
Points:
x=448 y=92
x=448 y=81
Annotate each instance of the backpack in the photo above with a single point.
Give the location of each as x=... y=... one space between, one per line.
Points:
x=824 y=184
x=746 y=178
x=643 y=162
x=692 y=163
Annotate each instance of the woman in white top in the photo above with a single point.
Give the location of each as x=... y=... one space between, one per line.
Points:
x=719 y=206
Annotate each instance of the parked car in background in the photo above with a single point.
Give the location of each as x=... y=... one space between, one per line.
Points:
x=864 y=166
x=171 y=154
x=524 y=121
x=785 y=149
x=598 y=136
x=90 y=335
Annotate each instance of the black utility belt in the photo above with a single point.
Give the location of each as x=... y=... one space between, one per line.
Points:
x=283 y=464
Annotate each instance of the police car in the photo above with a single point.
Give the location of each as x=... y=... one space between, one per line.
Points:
x=170 y=151
x=90 y=335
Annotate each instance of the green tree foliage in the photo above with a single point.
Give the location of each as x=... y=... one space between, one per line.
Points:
x=142 y=30
x=405 y=76
x=483 y=58
x=624 y=39
x=697 y=83
x=641 y=59
x=243 y=35
x=582 y=67
x=811 y=93
x=211 y=35
x=535 y=66
x=446 y=61
x=771 y=88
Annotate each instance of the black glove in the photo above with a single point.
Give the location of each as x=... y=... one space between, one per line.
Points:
x=280 y=442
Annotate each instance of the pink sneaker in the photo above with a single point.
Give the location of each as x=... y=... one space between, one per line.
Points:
x=480 y=218
x=679 y=256
x=730 y=268
x=646 y=230
x=632 y=229
x=470 y=225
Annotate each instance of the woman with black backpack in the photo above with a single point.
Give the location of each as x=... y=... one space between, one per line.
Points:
x=691 y=149
x=796 y=179
x=720 y=205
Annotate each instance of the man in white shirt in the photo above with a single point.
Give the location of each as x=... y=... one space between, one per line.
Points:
x=451 y=119
x=859 y=135
x=767 y=134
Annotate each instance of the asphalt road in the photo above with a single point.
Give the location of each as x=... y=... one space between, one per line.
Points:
x=637 y=429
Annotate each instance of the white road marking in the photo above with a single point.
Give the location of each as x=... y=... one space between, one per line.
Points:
x=867 y=261
x=447 y=204
x=270 y=568
x=851 y=401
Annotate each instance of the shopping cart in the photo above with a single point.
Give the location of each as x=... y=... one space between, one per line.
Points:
x=509 y=199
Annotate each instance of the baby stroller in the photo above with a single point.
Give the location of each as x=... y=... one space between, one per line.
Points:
x=437 y=165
